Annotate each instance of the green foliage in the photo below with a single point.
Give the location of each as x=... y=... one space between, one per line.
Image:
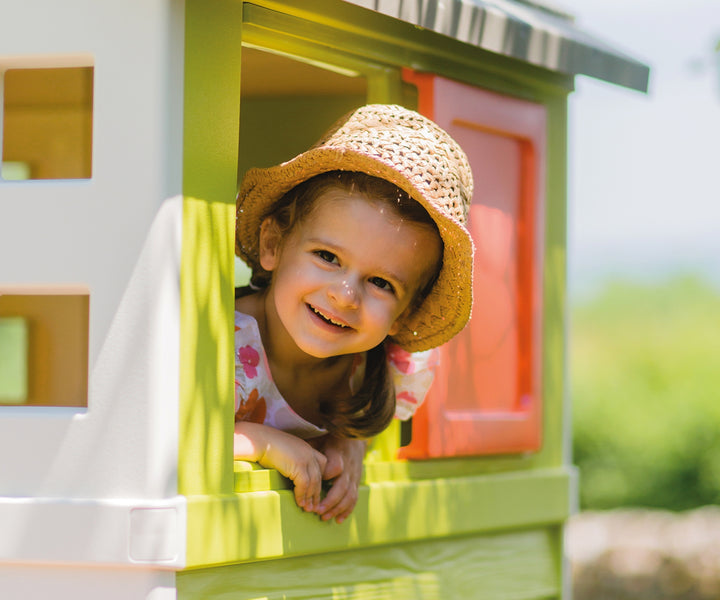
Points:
x=645 y=383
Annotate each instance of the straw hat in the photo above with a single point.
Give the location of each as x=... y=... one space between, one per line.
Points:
x=409 y=150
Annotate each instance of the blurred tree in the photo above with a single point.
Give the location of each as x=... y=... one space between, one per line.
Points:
x=645 y=382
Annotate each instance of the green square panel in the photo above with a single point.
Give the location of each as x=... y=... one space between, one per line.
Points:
x=13 y=360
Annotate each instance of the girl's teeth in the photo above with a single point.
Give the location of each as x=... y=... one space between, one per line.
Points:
x=326 y=318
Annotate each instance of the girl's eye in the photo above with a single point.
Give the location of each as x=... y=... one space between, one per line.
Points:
x=383 y=284
x=327 y=256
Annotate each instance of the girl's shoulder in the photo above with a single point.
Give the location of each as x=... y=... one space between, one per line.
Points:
x=246 y=329
x=248 y=302
x=245 y=320
x=257 y=398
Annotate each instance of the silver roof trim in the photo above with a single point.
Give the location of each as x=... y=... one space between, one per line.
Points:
x=524 y=30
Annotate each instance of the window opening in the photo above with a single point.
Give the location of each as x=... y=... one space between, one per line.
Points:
x=47 y=123
x=44 y=346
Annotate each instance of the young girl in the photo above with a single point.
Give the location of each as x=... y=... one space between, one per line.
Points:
x=360 y=257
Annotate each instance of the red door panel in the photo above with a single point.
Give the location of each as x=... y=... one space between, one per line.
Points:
x=486 y=398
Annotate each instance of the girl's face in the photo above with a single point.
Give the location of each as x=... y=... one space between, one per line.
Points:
x=345 y=274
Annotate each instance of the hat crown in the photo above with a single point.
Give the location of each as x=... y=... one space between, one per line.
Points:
x=412 y=145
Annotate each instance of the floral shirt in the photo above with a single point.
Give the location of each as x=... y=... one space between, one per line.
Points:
x=257 y=399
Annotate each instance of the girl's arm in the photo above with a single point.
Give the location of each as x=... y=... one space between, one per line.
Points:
x=344 y=467
x=292 y=457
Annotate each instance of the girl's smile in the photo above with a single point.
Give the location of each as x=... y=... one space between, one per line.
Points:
x=344 y=275
x=334 y=322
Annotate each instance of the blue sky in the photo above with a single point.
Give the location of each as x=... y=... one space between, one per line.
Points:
x=644 y=180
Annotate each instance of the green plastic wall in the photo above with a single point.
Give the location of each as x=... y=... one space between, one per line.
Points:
x=519 y=565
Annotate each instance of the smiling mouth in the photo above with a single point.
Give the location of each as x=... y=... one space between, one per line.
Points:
x=327 y=319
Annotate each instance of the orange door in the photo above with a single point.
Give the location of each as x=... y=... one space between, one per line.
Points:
x=486 y=397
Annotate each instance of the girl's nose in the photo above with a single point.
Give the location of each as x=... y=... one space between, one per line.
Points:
x=344 y=293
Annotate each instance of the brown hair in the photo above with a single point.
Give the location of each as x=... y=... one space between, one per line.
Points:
x=370 y=410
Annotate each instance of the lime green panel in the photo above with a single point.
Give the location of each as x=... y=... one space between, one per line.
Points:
x=211 y=126
x=206 y=351
x=556 y=418
x=251 y=477
x=267 y=524
x=13 y=360
x=212 y=98
x=511 y=566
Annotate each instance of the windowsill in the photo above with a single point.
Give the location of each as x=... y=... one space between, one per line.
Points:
x=262 y=521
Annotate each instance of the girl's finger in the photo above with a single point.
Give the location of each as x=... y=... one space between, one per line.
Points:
x=340 y=504
x=300 y=490
x=341 y=510
x=337 y=492
x=334 y=465
x=316 y=479
x=308 y=482
x=303 y=481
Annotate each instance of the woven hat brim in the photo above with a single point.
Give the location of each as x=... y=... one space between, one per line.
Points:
x=446 y=309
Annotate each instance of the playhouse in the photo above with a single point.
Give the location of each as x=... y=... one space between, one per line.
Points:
x=125 y=128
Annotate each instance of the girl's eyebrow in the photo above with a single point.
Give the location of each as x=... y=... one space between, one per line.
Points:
x=398 y=282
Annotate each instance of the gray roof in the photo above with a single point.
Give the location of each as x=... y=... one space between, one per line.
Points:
x=521 y=29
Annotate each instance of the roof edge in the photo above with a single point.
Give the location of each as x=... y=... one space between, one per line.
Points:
x=522 y=29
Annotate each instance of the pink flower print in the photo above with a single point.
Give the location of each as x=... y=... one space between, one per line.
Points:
x=402 y=359
x=249 y=358
x=408 y=397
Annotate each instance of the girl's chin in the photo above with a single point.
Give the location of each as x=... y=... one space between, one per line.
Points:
x=322 y=349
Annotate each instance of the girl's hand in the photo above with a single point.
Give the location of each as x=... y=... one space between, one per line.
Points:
x=292 y=457
x=344 y=466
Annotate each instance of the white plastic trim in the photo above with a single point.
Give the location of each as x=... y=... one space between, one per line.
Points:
x=94 y=532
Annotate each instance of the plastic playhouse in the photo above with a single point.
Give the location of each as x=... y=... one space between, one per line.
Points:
x=125 y=128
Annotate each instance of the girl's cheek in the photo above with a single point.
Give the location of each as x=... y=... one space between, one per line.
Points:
x=383 y=310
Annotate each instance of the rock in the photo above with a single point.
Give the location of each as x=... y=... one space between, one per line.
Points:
x=634 y=554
